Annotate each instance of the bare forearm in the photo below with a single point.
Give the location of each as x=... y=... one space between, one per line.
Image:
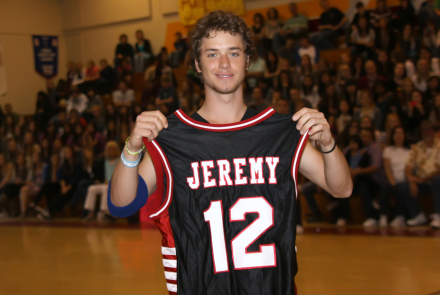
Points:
x=124 y=182
x=337 y=174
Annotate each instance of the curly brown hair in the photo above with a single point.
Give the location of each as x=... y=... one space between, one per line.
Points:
x=219 y=21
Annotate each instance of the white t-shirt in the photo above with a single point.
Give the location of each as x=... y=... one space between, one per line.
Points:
x=398 y=158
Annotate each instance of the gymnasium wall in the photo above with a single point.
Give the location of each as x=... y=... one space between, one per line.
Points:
x=89 y=29
x=19 y=19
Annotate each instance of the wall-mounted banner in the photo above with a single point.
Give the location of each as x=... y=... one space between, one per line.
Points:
x=46 y=55
x=191 y=10
x=3 y=85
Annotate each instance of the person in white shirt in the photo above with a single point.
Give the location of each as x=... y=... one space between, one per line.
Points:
x=307 y=48
x=423 y=72
x=77 y=101
x=395 y=156
x=124 y=96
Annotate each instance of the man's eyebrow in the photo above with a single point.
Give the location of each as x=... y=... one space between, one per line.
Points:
x=230 y=48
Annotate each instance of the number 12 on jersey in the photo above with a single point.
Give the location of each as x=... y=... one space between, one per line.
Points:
x=242 y=259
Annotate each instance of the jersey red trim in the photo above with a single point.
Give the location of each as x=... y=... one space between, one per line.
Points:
x=267 y=113
x=157 y=155
x=297 y=158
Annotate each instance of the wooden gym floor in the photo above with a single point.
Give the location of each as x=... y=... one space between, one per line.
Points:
x=64 y=258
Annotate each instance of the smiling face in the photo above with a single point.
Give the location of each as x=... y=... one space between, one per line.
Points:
x=223 y=63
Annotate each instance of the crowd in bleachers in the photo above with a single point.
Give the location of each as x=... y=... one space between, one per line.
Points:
x=381 y=98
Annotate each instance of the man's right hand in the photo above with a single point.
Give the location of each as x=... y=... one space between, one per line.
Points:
x=148 y=124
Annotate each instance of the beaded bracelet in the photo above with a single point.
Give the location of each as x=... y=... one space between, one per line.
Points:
x=130 y=164
x=131 y=153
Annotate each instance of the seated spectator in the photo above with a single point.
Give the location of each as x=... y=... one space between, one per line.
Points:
x=125 y=69
x=284 y=83
x=163 y=68
x=80 y=75
x=124 y=51
x=167 y=96
x=329 y=104
x=297 y=24
x=429 y=37
x=296 y=101
x=10 y=112
x=343 y=139
x=434 y=115
x=94 y=139
x=257 y=29
x=256 y=69
x=111 y=159
x=110 y=113
x=91 y=77
x=111 y=132
x=417 y=112
x=30 y=147
x=344 y=75
x=381 y=12
x=287 y=52
x=276 y=95
x=71 y=70
x=383 y=100
x=124 y=96
x=366 y=178
x=44 y=110
x=362 y=39
x=396 y=82
x=371 y=78
x=67 y=137
x=304 y=68
x=404 y=14
x=309 y=91
x=369 y=109
x=181 y=48
x=69 y=175
x=357 y=67
x=433 y=89
x=50 y=186
x=36 y=181
x=267 y=91
x=272 y=67
x=150 y=72
x=344 y=116
x=409 y=44
x=306 y=48
x=92 y=173
x=150 y=93
x=143 y=52
x=77 y=101
x=5 y=176
x=258 y=102
x=283 y=106
x=385 y=37
x=107 y=77
x=271 y=28
x=331 y=20
x=360 y=12
x=395 y=156
x=98 y=119
x=420 y=79
x=324 y=81
x=19 y=177
x=78 y=138
x=93 y=100
x=359 y=161
x=351 y=94
x=384 y=64
x=428 y=10
x=8 y=127
x=422 y=177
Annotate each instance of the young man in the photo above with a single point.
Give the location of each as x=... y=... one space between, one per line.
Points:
x=224 y=198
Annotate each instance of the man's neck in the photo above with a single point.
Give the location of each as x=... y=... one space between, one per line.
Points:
x=223 y=108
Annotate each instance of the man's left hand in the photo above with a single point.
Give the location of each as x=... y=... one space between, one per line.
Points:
x=316 y=124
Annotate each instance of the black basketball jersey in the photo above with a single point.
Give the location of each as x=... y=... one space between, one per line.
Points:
x=225 y=204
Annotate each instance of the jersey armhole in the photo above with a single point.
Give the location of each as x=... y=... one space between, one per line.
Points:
x=297 y=158
x=158 y=198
